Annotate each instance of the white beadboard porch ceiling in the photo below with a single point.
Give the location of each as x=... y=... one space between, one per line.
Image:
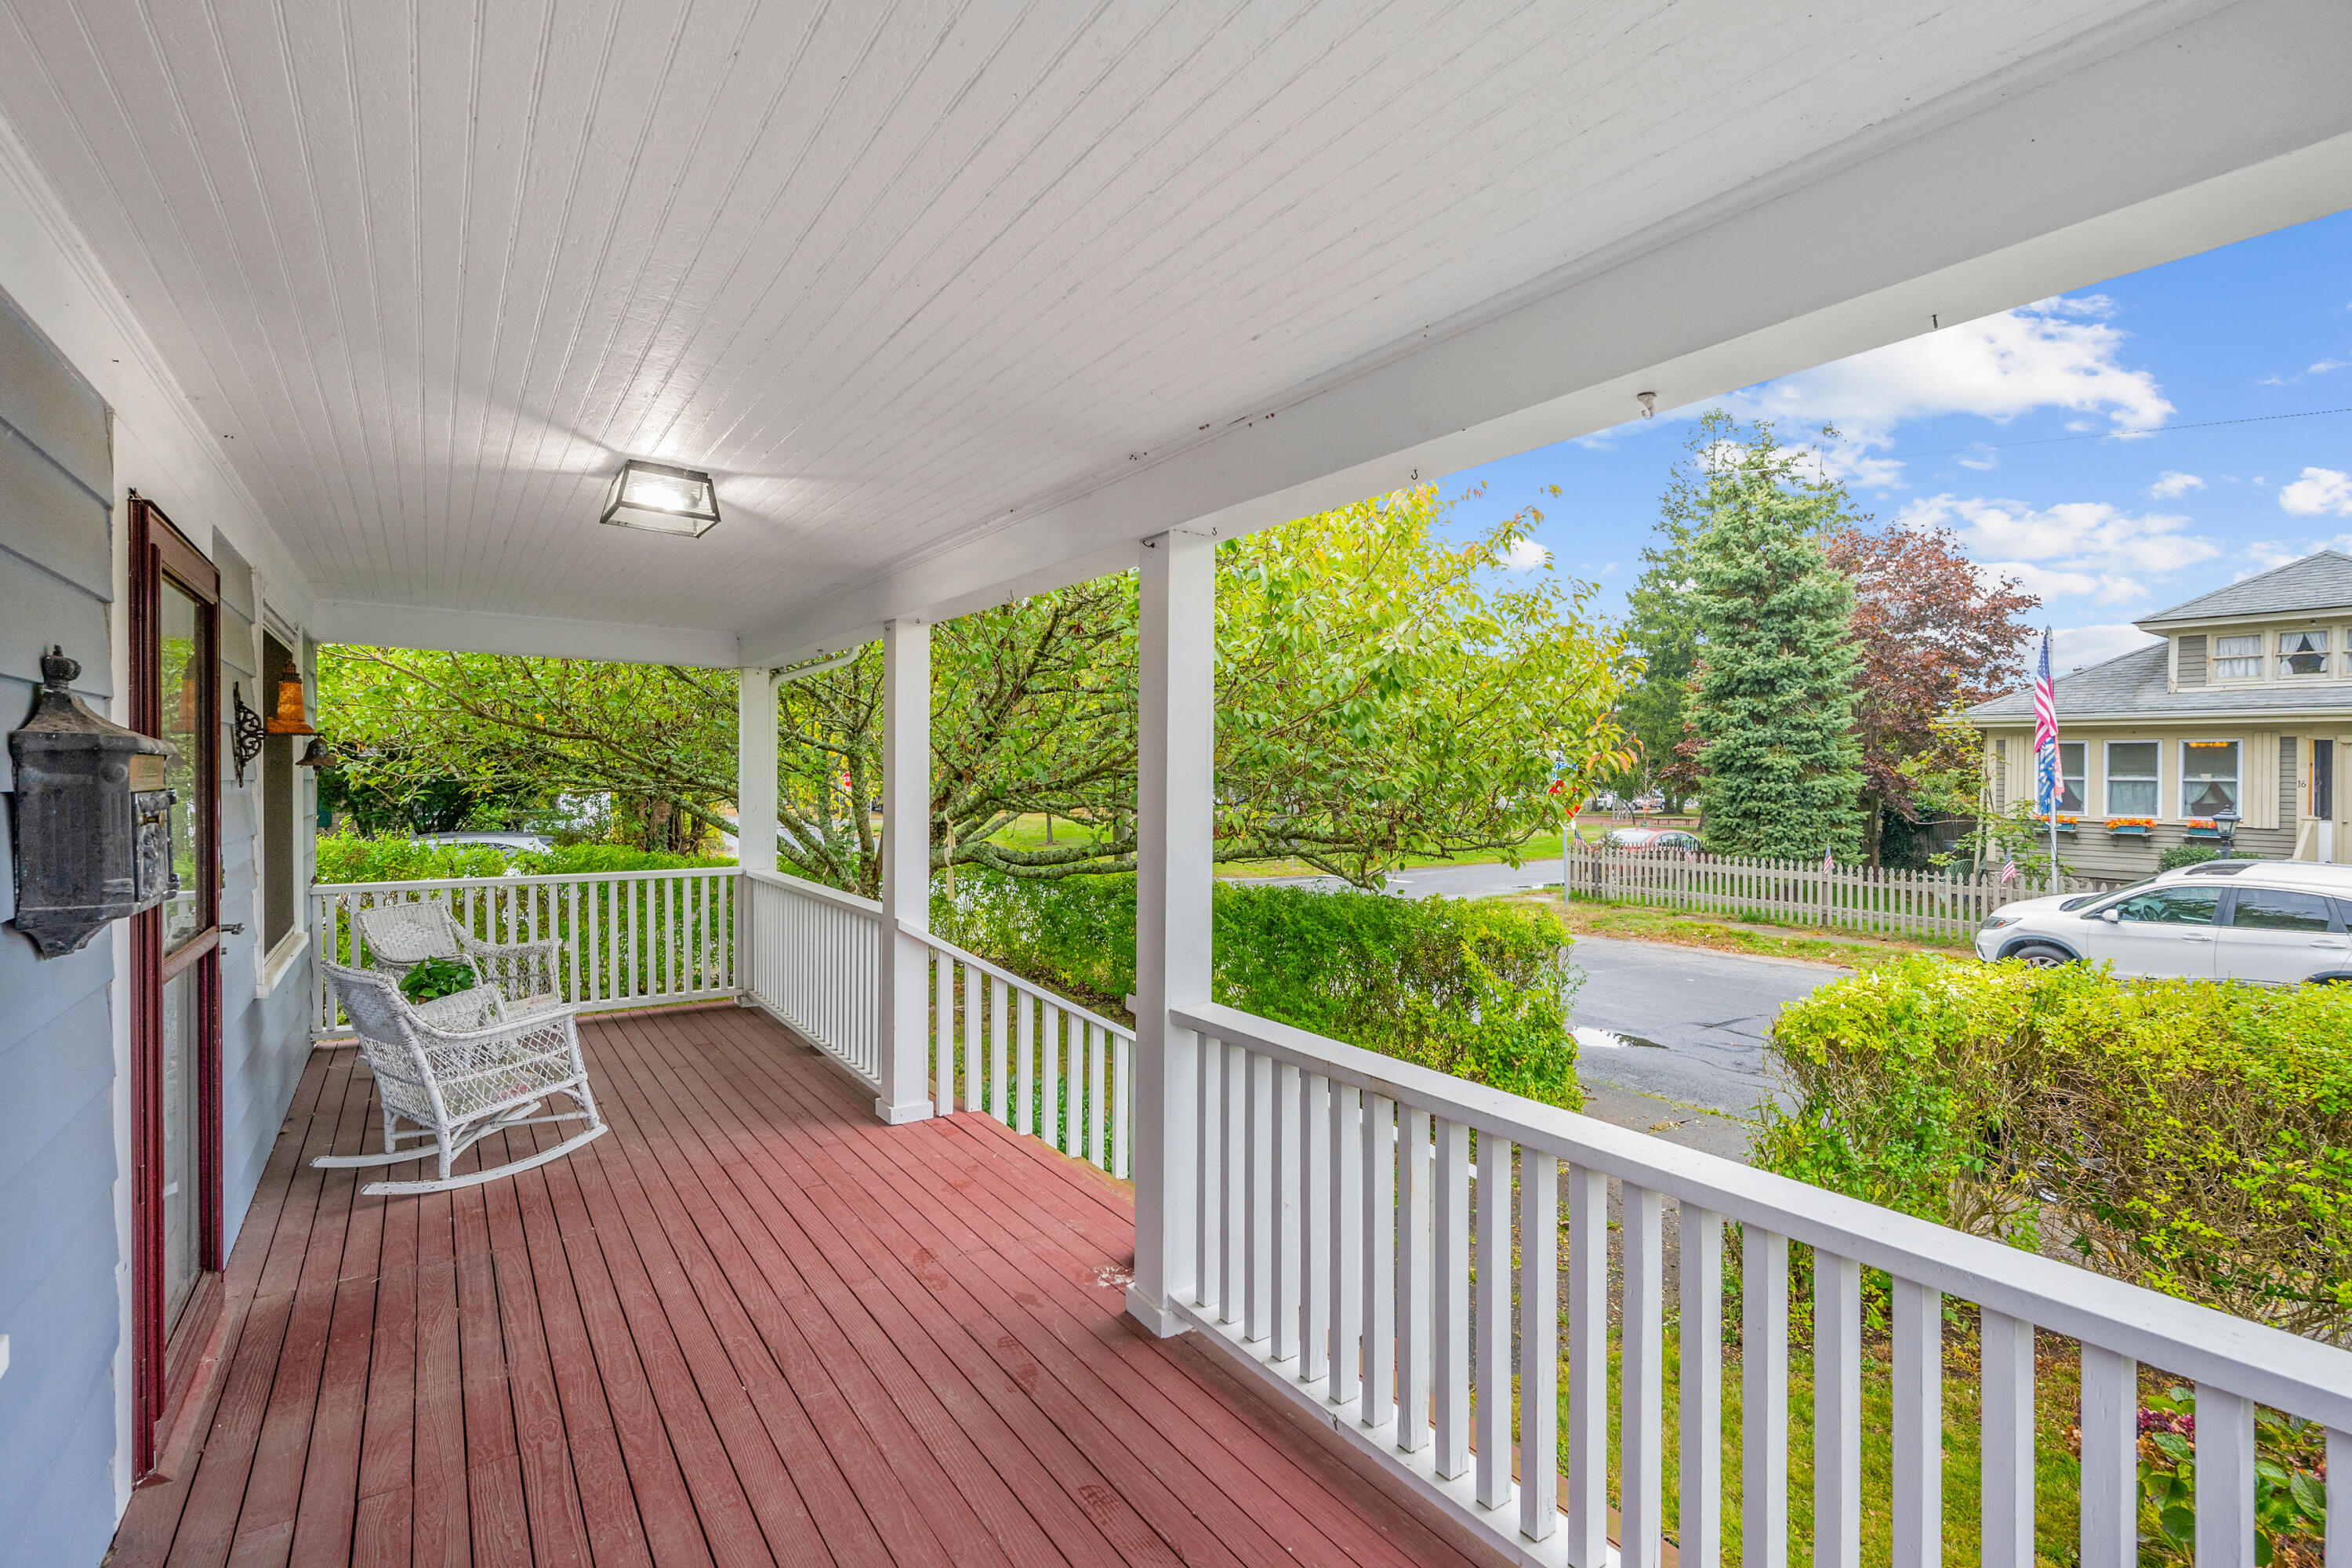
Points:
x=898 y=274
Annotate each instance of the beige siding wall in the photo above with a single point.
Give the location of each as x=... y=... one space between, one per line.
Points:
x=2261 y=784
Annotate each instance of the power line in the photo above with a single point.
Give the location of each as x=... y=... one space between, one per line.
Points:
x=2120 y=434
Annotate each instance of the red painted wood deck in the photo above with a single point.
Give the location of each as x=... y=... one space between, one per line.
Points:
x=750 y=1325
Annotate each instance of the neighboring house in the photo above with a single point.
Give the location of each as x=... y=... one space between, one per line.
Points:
x=2243 y=708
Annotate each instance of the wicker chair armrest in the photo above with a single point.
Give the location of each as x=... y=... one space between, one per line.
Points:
x=462 y=1011
x=566 y=1017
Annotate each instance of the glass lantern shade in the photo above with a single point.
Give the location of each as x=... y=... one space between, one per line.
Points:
x=662 y=500
x=286 y=714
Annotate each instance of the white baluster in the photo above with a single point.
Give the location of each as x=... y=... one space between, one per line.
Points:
x=1098 y=1130
x=999 y=1024
x=1415 y=1299
x=2339 y=1499
x=2225 y=1480
x=1764 y=1377
x=1025 y=1119
x=1315 y=1227
x=943 y=1030
x=1262 y=1188
x=2008 y=1453
x=1699 y=1519
x=1347 y=1234
x=1538 y=1344
x=1837 y=1411
x=1450 y=1275
x=1290 y=1244
x=1123 y=1105
x=1493 y=1372
x=1641 y=1456
x=1209 y=1254
x=1379 y=1152
x=2110 y=1475
x=1588 y=1366
x=1233 y=1270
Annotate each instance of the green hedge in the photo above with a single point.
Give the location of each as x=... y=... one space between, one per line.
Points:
x=350 y=858
x=1479 y=990
x=2190 y=1136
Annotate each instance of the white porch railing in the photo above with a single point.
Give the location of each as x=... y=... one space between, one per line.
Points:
x=815 y=963
x=626 y=939
x=1880 y=900
x=1335 y=1201
x=1037 y=1062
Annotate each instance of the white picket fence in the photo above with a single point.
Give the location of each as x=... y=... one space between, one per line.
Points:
x=1351 y=1248
x=1872 y=900
x=624 y=938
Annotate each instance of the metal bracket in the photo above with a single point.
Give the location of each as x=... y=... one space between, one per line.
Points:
x=249 y=732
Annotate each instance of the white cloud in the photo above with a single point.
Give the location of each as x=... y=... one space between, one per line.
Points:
x=1607 y=569
x=2078 y=647
x=1526 y=555
x=2085 y=549
x=2319 y=490
x=1981 y=460
x=2058 y=353
x=2324 y=366
x=2173 y=483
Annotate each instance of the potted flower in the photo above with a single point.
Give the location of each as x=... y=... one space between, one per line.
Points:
x=2203 y=827
x=2065 y=823
x=2131 y=826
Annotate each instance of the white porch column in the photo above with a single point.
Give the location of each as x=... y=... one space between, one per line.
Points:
x=1173 y=821
x=904 y=1017
x=755 y=770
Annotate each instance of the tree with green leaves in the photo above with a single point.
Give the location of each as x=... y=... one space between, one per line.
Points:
x=1771 y=708
x=1381 y=693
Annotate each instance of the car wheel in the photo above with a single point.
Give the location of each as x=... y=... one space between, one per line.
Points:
x=2040 y=954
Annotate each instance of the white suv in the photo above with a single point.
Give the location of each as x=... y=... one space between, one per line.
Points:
x=2278 y=923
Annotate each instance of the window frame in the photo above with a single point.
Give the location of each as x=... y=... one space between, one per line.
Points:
x=2154 y=779
x=2080 y=778
x=2327 y=652
x=2237 y=779
x=2258 y=659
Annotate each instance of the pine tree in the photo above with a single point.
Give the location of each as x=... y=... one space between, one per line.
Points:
x=1772 y=702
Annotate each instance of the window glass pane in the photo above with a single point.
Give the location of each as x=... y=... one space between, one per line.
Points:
x=2271 y=909
x=2209 y=777
x=2238 y=659
x=2172 y=906
x=2070 y=775
x=2132 y=760
x=2237 y=647
x=181 y=682
x=2131 y=778
x=2131 y=797
x=2302 y=653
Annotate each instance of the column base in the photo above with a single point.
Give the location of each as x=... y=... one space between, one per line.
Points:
x=898 y=1115
x=1165 y=1323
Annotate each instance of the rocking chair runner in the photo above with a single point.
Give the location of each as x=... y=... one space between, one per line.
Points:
x=460 y=1068
x=400 y=936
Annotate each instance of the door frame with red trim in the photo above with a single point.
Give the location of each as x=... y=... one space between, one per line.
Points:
x=159 y=1362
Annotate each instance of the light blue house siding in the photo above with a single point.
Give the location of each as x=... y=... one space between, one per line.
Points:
x=58 y=1291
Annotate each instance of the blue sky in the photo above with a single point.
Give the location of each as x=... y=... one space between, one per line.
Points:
x=2142 y=516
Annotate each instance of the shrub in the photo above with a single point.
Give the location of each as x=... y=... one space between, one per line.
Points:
x=1475 y=989
x=2181 y=855
x=350 y=858
x=2190 y=1136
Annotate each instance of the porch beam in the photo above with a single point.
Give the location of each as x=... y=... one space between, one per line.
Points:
x=904 y=1013
x=1173 y=826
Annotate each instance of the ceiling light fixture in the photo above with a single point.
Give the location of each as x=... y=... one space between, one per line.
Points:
x=662 y=500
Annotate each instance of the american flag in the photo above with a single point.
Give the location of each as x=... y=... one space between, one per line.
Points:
x=1829 y=856
x=2046 y=734
x=2008 y=867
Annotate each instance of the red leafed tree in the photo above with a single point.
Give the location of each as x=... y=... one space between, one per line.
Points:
x=1935 y=632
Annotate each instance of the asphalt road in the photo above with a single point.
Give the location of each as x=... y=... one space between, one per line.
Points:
x=1683 y=1023
x=1691 y=1021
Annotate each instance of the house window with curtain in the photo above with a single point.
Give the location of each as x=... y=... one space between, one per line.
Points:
x=2070 y=777
x=2209 y=777
x=2131 y=778
x=2239 y=659
x=2302 y=653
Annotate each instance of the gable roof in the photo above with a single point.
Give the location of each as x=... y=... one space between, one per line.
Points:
x=2317 y=582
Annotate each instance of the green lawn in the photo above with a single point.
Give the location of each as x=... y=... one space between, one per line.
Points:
x=1029 y=833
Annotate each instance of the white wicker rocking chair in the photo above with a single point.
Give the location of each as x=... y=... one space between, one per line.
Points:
x=400 y=936
x=460 y=1067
